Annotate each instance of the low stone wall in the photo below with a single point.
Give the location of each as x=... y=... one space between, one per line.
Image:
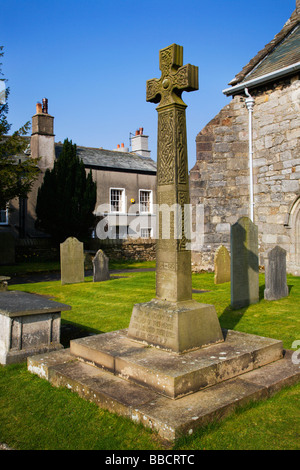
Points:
x=139 y=249
x=43 y=249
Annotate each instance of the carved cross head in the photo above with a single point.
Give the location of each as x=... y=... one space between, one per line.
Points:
x=175 y=78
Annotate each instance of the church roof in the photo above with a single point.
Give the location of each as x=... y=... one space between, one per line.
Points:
x=285 y=54
x=281 y=56
x=112 y=160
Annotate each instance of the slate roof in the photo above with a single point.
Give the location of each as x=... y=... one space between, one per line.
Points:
x=281 y=52
x=112 y=160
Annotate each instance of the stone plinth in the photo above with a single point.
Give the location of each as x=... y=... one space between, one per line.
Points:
x=175 y=326
x=29 y=324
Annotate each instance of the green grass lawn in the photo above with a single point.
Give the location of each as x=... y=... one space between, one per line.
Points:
x=34 y=415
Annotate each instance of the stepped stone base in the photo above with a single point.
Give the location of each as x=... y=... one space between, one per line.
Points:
x=171 y=374
x=170 y=393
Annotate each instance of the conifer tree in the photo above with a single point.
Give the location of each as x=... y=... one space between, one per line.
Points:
x=67 y=197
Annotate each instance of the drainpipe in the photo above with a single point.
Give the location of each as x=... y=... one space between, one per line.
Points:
x=250 y=105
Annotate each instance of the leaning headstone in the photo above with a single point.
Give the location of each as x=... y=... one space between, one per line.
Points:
x=275 y=274
x=7 y=248
x=100 y=267
x=244 y=263
x=222 y=265
x=71 y=261
x=173 y=320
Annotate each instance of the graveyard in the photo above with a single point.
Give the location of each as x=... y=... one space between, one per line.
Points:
x=34 y=415
x=180 y=354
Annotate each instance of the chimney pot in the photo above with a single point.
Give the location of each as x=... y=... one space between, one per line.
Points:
x=39 y=109
x=45 y=106
x=137 y=132
x=118 y=146
x=141 y=130
x=122 y=145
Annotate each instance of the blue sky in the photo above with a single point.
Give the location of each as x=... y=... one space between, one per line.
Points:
x=91 y=59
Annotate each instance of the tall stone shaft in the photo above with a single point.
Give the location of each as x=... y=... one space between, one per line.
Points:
x=173 y=259
x=173 y=321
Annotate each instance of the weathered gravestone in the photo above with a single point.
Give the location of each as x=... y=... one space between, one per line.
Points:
x=71 y=261
x=244 y=263
x=7 y=248
x=100 y=267
x=275 y=274
x=173 y=321
x=222 y=265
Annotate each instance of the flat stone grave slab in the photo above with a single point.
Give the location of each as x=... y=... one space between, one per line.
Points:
x=171 y=374
x=169 y=418
x=29 y=324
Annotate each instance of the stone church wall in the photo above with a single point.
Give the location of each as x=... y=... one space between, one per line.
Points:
x=220 y=177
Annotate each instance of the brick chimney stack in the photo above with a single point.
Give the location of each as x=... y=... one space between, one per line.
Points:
x=42 y=137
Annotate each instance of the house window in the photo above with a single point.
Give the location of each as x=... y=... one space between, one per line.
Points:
x=3 y=216
x=146 y=232
x=145 y=201
x=117 y=200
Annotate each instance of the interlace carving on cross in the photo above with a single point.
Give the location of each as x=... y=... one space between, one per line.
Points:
x=175 y=78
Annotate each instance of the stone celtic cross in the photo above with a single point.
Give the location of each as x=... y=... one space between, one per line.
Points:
x=175 y=78
x=173 y=321
x=173 y=260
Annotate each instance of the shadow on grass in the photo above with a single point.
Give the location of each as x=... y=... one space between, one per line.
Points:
x=230 y=317
x=290 y=287
x=70 y=331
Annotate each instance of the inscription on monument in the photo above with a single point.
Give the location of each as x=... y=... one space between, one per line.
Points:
x=157 y=328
